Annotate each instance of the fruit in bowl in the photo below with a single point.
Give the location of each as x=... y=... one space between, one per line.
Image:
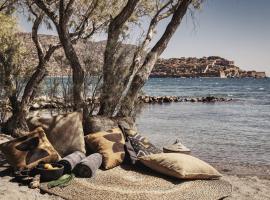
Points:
x=50 y=171
x=49 y=167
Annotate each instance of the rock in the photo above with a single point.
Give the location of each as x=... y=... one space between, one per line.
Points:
x=99 y=123
x=193 y=100
x=35 y=106
x=146 y=100
x=167 y=99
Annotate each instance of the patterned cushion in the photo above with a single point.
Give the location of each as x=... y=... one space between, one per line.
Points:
x=29 y=150
x=140 y=144
x=65 y=132
x=110 y=144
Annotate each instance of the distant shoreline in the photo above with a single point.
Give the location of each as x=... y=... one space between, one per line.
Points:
x=154 y=76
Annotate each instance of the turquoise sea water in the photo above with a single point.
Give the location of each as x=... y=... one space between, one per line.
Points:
x=226 y=132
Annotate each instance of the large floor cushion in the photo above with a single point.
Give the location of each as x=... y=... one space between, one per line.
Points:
x=179 y=165
x=110 y=144
x=29 y=150
x=65 y=132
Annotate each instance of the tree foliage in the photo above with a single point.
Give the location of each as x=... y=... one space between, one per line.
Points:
x=7 y=6
x=11 y=55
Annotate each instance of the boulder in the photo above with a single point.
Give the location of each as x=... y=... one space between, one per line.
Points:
x=102 y=123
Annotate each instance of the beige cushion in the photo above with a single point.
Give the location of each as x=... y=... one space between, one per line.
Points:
x=65 y=132
x=110 y=144
x=179 y=165
x=29 y=150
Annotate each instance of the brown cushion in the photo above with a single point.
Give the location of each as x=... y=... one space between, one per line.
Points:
x=179 y=165
x=29 y=150
x=65 y=132
x=110 y=144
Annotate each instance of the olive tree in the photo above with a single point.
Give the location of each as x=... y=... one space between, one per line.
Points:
x=77 y=19
x=121 y=86
x=7 y=6
x=11 y=57
x=21 y=97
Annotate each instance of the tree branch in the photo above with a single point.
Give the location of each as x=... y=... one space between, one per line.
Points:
x=47 y=10
x=35 y=39
x=172 y=26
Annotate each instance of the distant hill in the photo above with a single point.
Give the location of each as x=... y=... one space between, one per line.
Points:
x=91 y=56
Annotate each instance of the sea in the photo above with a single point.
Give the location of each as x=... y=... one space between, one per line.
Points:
x=235 y=132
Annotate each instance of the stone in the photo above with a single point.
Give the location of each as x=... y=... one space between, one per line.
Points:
x=35 y=106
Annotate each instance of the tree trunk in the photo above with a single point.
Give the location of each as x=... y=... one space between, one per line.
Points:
x=143 y=73
x=78 y=73
x=127 y=106
x=113 y=77
x=16 y=125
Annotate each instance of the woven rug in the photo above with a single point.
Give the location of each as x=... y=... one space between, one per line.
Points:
x=130 y=183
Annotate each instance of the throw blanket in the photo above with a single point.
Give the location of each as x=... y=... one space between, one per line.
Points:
x=71 y=161
x=88 y=166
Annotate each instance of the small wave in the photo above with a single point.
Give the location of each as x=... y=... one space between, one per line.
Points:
x=261 y=88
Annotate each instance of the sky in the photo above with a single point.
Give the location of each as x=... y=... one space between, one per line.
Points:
x=237 y=30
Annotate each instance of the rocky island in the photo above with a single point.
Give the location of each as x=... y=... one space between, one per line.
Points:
x=212 y=66
x=91 y=54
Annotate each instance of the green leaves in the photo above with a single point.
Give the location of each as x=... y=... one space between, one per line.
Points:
x=11 y=55
x=63 y=181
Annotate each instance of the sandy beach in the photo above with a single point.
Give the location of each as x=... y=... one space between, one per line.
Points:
x=245 y=187
x=248 y=183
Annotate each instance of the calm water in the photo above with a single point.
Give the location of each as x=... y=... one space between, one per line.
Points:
x=230 y=132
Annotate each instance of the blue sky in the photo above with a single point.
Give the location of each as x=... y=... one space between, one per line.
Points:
x=238 y=30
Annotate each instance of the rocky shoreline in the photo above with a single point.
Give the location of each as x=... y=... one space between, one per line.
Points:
x=170 y=99
x=44 y=102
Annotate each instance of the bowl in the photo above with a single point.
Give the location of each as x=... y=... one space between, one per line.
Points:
x=23 y=176
x=50 y=174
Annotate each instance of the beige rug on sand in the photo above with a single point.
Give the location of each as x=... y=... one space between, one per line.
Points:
x=130 y=183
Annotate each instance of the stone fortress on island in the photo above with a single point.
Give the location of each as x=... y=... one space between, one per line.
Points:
x=212 y=66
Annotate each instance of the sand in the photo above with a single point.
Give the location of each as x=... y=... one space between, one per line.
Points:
x=248 y=182
x=244 y=188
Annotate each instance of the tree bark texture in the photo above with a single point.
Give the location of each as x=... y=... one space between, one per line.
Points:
x=143 y=73
x=16 y=125
x=113 y=76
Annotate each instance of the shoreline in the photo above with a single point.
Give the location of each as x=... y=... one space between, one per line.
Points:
x=243 y=170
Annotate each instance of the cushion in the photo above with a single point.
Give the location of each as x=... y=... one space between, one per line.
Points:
x=179 y=165
x=110 y=144
x=29 y=150
x=140 y=144
x=65 y=132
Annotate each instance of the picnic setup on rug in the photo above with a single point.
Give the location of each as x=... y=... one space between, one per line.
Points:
x=110 y=159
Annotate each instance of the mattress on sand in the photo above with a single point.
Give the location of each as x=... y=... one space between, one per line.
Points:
x=128 y=182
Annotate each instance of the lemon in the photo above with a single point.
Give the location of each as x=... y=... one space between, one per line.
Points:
x=47 y=166
x=50 y=168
